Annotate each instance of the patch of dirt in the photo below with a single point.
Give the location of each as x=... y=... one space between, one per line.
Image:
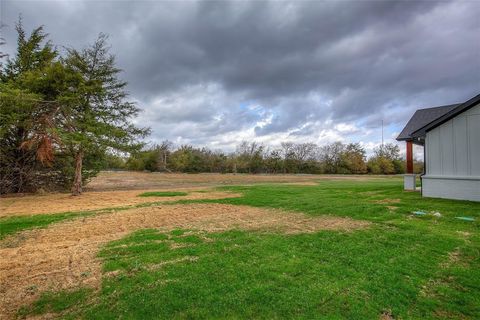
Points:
x=61 y=202
x=430 y=288
x=444 y=314
x=464 y=234
x=453 y=257
x=387 y=315
x=175 y=245
x=174 y=261
x=392 y=208
x=111 y=180
x=370 y=193
x=64 y=255
x=456 y=258
x=387 y=201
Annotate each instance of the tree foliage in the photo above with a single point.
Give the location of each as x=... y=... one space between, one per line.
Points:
x=60 y=114
x=26 y=113
x=252 y=157
x=97 y=116
x=386 y=160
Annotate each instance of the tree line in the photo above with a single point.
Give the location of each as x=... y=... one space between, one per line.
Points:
x=61 y=114
x=334 y=158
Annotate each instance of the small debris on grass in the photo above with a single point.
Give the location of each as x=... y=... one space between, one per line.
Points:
x=387 y=315
x=419 y=213
x=436 y=214
x=470 y=219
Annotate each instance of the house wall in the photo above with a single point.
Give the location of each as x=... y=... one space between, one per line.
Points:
x=453 y=158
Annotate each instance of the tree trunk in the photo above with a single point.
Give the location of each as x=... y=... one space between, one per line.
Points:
x=77 y=182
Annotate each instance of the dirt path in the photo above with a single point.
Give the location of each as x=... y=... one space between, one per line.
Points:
x=64 y=255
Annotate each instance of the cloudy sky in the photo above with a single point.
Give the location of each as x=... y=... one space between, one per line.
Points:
x=216 y=73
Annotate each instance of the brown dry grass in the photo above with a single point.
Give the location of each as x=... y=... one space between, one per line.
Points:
x=108 y=180
x=387 y=201
x=114 y=189
x=392 y=208
x=64 y=255
x=61 y=202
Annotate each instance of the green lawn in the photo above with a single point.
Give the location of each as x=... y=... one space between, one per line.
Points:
x=409 y=267
x=14 y=224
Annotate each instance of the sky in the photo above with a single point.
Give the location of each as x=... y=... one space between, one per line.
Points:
x=214 y=74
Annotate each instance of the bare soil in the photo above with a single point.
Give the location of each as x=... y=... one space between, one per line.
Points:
x=111 y=180
x=61 y=202
x=64 y=255
x=392 y=208
x=115 y=189
x=387 y=201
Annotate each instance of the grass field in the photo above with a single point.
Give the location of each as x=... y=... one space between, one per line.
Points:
x=338 y=248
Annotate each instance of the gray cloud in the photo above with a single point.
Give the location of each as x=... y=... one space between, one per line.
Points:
x=218 y=72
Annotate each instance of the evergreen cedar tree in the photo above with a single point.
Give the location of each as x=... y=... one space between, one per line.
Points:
x=73 y=106
x=99 y=113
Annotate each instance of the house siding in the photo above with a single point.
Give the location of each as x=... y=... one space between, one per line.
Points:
x=451 y=188
x=453 y=158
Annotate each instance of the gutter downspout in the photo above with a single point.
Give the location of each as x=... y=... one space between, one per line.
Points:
x=424 y=166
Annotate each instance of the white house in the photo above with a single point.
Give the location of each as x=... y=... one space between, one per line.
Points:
x=451 y=139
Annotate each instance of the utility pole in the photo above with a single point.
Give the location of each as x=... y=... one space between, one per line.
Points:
x=382 y=134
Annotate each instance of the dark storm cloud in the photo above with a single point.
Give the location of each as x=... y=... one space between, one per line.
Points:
x=205 y=69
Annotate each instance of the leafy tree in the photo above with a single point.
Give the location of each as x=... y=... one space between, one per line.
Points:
x=331 y=157
x=380 y=165
x=386 y=160
x=58 y=115
x=353 y=158
x=27 y=111
x=418 y=166
x=399 y=166
x=298 y=157
x=389 y=151
x=188 y=159
x=288 y=154
x=274 y=162
x=250 y=157
x=163 y=153
x=98 y=115
x=33 y=53
x=213 y=161
x=337 y=157
x=114 y=161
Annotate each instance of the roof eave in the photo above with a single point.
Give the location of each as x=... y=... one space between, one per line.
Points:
x=415 y=140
